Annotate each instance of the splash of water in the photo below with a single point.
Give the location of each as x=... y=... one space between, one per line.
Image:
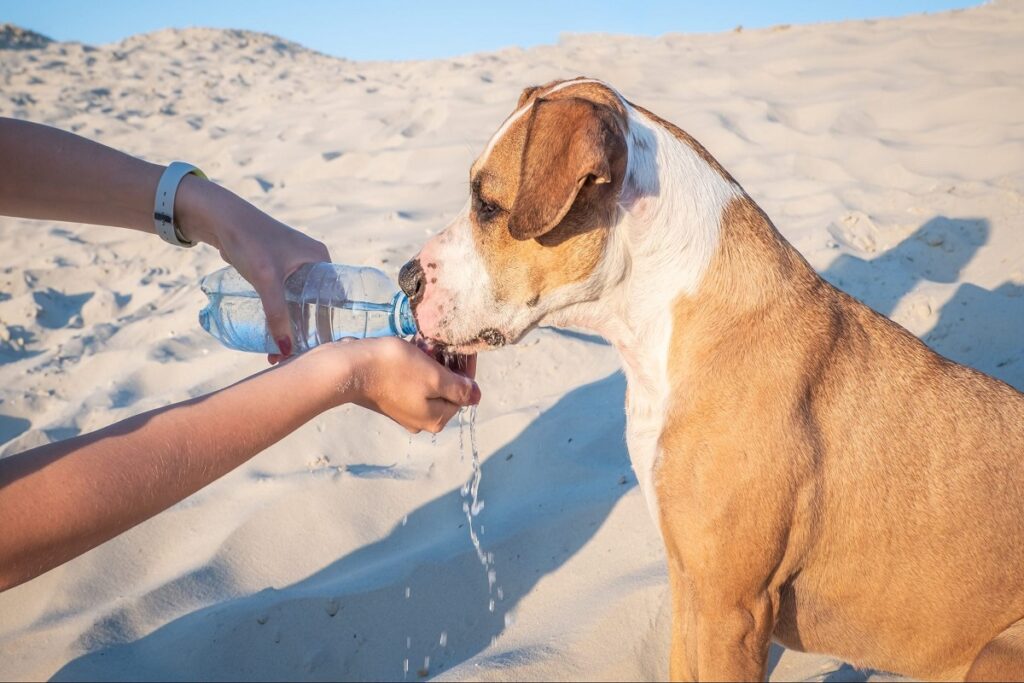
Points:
x=473 y=505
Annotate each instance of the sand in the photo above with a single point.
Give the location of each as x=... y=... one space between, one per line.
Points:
x=891 y=153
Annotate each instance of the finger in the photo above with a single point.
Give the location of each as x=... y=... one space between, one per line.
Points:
x=458 y=389
x=441 y=411
x=276 y=310
x=323 y=253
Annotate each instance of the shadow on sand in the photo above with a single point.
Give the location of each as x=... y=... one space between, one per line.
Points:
x=978 y=327
x=352 y=619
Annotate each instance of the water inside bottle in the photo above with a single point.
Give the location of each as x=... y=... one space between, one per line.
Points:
x=242 y=322
x=325 y=302
x=318 y=323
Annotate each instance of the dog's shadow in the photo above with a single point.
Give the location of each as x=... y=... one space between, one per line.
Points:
x=978 y=327
x=554 y=485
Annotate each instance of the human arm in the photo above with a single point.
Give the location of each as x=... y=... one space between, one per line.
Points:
x=51 y=174
x=62 y=499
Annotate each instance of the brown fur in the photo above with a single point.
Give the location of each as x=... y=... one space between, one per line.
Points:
x=555 y=194
x=829 y=480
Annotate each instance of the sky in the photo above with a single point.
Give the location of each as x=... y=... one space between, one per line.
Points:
x=392 y=29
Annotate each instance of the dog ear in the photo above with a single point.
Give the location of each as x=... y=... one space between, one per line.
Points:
x=524 y=97
x=570 y=143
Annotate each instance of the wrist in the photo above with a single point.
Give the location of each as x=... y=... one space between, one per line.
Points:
x=198 y=210
x=337 y=370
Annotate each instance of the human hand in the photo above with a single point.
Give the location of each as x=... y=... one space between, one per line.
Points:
x=405 y=382
x=263 y=250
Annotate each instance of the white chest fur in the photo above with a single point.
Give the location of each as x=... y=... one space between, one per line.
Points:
x=646 y=402
x=667 y=233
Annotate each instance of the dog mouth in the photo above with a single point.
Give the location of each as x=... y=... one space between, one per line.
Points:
x=487 y=339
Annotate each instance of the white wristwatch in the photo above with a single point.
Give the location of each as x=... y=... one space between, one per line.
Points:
x=163 y=207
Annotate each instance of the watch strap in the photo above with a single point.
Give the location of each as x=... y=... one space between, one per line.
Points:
x=163 y=207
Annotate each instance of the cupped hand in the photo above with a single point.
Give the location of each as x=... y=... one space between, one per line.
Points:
x=263 y=250
x=404 y=382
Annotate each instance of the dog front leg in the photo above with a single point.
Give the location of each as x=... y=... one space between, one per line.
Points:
x=733 y=637
x=684 y=645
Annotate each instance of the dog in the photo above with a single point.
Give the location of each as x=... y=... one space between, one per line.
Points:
x=818 y=475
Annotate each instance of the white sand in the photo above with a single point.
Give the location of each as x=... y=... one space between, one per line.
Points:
x=891 y=153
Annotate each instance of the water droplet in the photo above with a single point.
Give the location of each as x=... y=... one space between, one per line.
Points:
x=408 y=592
x=444 y=639
x=490 y=605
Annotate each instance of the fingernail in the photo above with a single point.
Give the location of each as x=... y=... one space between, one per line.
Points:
x=284 y=345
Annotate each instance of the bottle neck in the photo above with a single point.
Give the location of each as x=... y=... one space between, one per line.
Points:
x=403 y=323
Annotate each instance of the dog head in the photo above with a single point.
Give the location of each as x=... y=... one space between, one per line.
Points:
x=531 y=239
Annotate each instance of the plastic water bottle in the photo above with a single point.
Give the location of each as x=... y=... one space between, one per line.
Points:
x=326 y=302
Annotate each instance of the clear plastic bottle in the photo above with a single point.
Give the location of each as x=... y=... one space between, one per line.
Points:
x=326 y=302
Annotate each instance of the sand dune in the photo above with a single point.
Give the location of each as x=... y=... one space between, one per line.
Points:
x=891 y=153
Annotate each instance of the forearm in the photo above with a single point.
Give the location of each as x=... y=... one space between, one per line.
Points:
x=51 y=174
x=59 y=500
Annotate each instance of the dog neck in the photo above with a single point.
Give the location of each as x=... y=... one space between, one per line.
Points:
x=690 y=257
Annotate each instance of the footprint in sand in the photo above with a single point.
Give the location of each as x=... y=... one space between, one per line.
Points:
x=176 y=350
x=264 y=184
x=123 y=396
x=152 y=274
x=57 y=310
x=15 y=341
x=855 y=230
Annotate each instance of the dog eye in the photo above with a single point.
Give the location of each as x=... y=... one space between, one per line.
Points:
x=486 y=210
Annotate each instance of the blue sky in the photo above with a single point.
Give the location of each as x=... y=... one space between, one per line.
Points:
x=389 y=29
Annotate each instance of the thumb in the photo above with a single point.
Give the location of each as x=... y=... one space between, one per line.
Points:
x=462 y=391
x=276 y=310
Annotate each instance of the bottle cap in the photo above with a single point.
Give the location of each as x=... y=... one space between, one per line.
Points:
x=403 y=323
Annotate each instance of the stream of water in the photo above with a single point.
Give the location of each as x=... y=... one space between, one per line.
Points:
x=472 y=506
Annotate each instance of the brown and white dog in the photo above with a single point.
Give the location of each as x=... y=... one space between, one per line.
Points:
x=817 y=473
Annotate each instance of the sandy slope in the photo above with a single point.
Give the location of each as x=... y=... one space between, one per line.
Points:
x=891 y=153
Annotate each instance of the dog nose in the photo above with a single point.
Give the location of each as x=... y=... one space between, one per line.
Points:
x=412 y=280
